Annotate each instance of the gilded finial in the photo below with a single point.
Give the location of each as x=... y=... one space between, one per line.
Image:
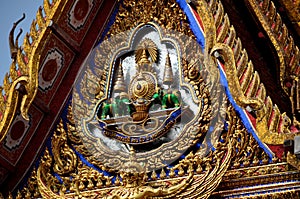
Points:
x=132 y=166
x=144 y=63
x=13 y=44
x=144 y=59
x=146 y=48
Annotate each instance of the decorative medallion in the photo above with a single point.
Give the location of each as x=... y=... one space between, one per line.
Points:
x=79 y=13
x=50 y=68
x=16 y=132
x=140 y=90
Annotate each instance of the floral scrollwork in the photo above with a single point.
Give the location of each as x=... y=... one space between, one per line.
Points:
x=65 y=158
x=47 y=183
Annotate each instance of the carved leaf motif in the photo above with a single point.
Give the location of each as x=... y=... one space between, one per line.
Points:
x=65 y=158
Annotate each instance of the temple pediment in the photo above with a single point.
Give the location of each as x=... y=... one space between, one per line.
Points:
x=152 y=99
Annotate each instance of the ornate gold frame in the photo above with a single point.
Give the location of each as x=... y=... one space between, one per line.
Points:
x=194 y=129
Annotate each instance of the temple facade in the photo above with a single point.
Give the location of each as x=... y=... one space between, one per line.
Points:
x=153 y=99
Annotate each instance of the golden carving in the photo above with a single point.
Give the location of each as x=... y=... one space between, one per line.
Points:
x=233 y=81
x=182 y=188
x=196 y=177
x=249 y=80
x=45 y=180
x=14 y=44
x=146 y=51
x=75 y=176
x=134 y=184
x=293 y=160
x=283 y=43
x=146 y=46
x=65 y=158
x=87 y=182
x=248 y=152
x=24 y=68
x=254 y=171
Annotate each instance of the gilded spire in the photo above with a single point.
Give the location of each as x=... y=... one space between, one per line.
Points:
x=168 y=73
x=144 y=59
x=120 y=84
x=144 y=63
x=145 y=50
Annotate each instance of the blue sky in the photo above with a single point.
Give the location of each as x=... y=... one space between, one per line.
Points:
x=11 y=11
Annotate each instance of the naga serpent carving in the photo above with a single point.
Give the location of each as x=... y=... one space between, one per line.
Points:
x=14 y=44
